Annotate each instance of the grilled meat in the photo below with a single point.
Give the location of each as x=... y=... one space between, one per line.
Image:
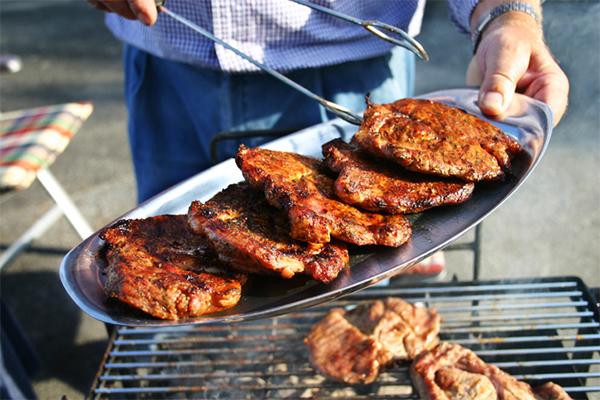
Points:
x=550 y=391
x=354 y=346
x=458 y=384
x=375 y=185
x=450 y=371
x=251 y=235
x=434 y=138
x=300 y=186
x=424 y=323
x=341 y=351
x=403 y=329
x=161 y=267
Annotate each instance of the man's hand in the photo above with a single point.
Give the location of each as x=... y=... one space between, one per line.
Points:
x=142 y=10
x=513 y=57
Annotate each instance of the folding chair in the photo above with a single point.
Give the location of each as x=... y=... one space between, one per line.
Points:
x=30 y=141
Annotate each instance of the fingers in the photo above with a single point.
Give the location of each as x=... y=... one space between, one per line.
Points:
x=98 y=5
x=145 y=10
x=512 y=58
x=549 y=84
x=142 y=10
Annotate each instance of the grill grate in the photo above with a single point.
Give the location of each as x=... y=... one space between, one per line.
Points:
x=537 y=330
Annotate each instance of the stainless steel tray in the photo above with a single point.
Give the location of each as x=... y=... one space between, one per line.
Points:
x=529 y=122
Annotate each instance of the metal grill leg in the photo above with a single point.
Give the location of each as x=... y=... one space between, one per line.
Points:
x=64 y=206
x=477 y=252
x=34 y=232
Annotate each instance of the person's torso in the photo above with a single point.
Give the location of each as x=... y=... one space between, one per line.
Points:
x=281 y=34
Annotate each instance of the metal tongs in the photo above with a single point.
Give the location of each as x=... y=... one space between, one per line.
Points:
x=336 y=109
x=372 y=26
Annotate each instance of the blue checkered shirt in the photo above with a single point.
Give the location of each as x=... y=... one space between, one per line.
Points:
x=278 y=33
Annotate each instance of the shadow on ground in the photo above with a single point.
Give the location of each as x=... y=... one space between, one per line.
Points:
x=55 y=336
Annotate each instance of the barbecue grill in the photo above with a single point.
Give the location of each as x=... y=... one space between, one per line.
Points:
x=538 y=330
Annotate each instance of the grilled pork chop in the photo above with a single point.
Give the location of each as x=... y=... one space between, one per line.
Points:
x=458 y=384
x=354 y=346
x=253 y=236
x=300 y=186
x=452 y=372
x=550 y=391
x=434 y=138
x=161 y=267
x=423 y=321
x=374 y=185
x=339 y=350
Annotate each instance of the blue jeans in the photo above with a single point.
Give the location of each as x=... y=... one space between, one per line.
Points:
x=175 y=109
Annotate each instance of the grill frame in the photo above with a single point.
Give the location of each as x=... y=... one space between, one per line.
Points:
x=557 y=319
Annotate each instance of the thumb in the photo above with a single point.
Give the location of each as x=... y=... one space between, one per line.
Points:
x=503 y=62
x=492 y=99
x=499 y=83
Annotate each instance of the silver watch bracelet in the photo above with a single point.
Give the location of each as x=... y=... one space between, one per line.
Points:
x=489 y=16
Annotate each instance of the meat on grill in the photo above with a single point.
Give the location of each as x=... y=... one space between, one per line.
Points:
x=374 y=185
x=452 y=372
x=251 y=235
x=161 y=267
x=338 y=349
x=459 y=384
x=354 y=346
x=435 y=138
x=423 y=321
x=299 y=185
x=550 y=391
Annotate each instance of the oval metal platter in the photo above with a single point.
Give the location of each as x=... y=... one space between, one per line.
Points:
x=528 y=121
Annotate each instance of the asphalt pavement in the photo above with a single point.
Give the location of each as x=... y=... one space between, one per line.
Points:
x=550 y=227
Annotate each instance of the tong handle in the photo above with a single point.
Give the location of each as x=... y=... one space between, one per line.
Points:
x=372 y=26
x=412 y=44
